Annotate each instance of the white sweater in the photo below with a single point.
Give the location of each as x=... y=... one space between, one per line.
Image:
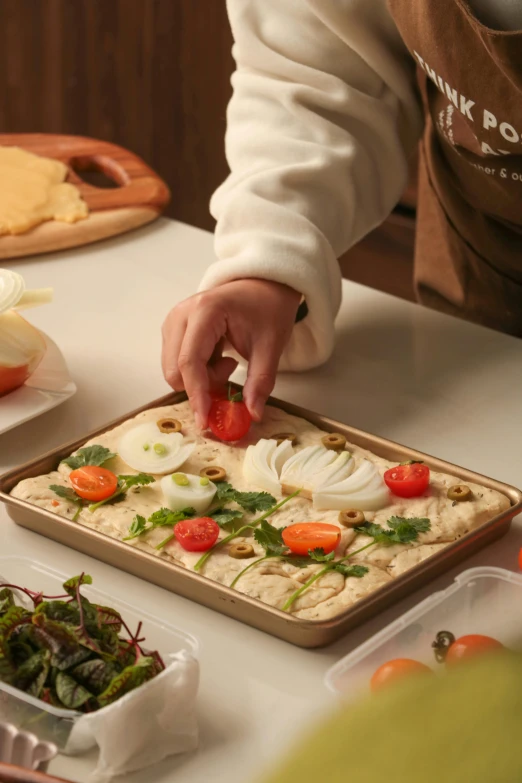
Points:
x=323 y=118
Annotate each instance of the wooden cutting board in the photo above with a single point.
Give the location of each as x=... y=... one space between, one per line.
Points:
x=138 y=198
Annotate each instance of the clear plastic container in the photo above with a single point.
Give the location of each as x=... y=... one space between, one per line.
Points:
x=481 y=600
x=50 y=723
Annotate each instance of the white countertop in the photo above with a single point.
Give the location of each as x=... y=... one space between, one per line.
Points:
x=432 y=382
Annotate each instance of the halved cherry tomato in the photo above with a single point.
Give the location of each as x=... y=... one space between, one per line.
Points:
x=408 y=481
x=229 y=418
x=520 y=559
x=395 y=670
x=303 y=536
x=197 y=535
x=467 y=647
x=93 y=483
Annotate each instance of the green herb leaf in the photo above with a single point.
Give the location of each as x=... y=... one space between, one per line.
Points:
x=67 y=493
x=61 y=640
x=30 y=672
x=96 y=675
x=319 y=556
x=6 y=600
x=255 y=501
x=162 y=518
x=138 y=479
x=226 y=517
x=167 y=518
x=90 y=455
x=225 y=491
x=129 y=679
x=138 y=526
x=71 y=585
x=70 y=692
x=346 y=570
x=250 y=501
x=401 y=530
x=271 y=539
x=107 y=617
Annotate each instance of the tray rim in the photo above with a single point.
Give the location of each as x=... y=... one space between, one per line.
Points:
x=332 y=628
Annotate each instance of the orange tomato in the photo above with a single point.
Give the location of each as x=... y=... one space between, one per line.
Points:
x=396 y=670
x=303 y=536
x=93 y=483
x=467 y=647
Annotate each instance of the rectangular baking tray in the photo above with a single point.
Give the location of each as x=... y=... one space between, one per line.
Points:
x=303 y=633
x=484 y=600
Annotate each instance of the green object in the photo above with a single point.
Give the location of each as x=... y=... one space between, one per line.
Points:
x=180 y=479
x=90 y=455
x=160 y=449
x=204 y=481
x=146 y=447
x=67 y=651
x=461 y=727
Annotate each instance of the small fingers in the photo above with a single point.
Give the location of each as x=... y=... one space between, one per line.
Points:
x=261 y=378
x=173 y=332
x=204 y=331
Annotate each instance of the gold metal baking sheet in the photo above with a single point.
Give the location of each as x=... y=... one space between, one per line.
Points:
x=304 y=633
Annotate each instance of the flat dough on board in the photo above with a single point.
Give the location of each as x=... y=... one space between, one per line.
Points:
x=33 y=190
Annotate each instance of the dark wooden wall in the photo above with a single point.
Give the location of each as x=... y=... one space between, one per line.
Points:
x=153 y=76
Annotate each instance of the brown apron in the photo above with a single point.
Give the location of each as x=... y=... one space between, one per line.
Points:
x=468 y=255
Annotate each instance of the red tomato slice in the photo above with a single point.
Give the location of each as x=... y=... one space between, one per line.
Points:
x=467 y=647
x=303 y=536
x=228 y=420
x=197 y=535
x=93 y=483
x=408 y=481
x=520 y=559
x=398 y=669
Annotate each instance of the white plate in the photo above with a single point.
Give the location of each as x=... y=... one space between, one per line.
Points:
x=48 y=387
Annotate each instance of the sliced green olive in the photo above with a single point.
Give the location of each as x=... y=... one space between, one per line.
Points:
x=351 y=517
x=180 y=479
x=213 y=473
x=204 y=481
x=160 y=449
x=334 y=440
x=169 y=425
x=282 y=436
x=146 y=447
x=241 y=551
x=460 y=492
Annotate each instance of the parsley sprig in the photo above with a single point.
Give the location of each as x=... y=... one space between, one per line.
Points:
x=68 y=493
x=250 y=526
x=124 y=484
x=89 y=455
x=401 y=531
x=164 y=517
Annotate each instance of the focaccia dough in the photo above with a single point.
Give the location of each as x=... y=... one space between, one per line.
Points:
x=273 y=581
x=33 y=190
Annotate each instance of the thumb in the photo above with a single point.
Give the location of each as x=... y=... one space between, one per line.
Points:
x=261 y=377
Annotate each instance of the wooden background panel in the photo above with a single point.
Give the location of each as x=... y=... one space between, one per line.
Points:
x=152 y=76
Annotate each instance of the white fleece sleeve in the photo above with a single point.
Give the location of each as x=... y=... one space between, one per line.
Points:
x=323 y=117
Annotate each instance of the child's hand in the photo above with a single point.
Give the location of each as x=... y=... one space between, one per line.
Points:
x=256 y=317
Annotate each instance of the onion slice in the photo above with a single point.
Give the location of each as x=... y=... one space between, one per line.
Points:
x=263 y=463
x=147 y=449
x=13 y=292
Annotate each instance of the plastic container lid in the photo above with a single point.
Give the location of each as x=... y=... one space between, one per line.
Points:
x=483 y=600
